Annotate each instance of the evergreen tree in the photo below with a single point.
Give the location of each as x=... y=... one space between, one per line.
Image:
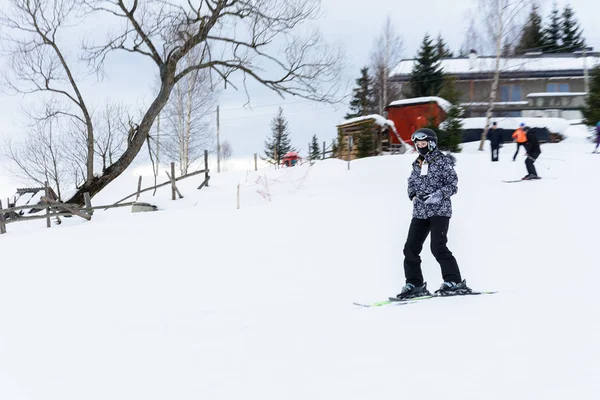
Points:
x=591 y=111
x=315 y=152
x=365 y=141
x=532 y=36
x=552 y=33
x=572 y=38
x=362 y=102
x=443 y=51
x=279 y=143
x=450 y=138
x=426 y=77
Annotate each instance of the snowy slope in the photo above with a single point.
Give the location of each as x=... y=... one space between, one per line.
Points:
x=202 y=300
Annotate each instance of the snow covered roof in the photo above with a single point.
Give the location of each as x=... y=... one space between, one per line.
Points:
x=378 y=119
x=544 y=63
x=557 y=94
x=444 y=104
x=498 y=103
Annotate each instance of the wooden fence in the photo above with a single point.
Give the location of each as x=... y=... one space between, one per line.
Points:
x=52 y=208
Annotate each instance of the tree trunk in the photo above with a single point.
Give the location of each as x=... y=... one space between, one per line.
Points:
x=494 y=88
x=134 y=146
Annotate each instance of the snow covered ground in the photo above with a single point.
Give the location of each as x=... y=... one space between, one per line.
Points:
x=202 y=300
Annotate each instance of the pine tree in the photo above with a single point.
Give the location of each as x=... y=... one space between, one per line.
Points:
x=552 y=33
x=362 y=102
x=315 y=152
x=572 y=38
x=532 y=36
x=279 y=143
x=426 y=77
x=443 y=51
x=591 y=111
x=365 y=141
x=450 y=138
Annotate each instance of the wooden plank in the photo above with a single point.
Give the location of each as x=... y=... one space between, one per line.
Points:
x=202 y=185
x=31 y=218
x=72 y=210
x=206 y=177
x=175 y=186
x=48 y=222
x=202 y=171
x=2 y=225
x=88 y=202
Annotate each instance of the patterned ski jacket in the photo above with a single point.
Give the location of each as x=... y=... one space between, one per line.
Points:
x=436 y=179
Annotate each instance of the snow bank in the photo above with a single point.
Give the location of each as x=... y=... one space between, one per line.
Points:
x=554 y=125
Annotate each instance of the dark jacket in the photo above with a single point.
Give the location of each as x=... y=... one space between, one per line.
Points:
x=495 y=137
x=440 y=183
x=532 y=145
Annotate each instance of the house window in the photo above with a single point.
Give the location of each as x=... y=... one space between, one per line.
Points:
x=558 y=87
x=510 y=93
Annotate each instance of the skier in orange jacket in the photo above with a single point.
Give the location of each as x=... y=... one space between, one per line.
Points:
x=520 y=136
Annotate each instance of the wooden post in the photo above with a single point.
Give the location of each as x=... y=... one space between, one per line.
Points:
x=323 y=151
x=255 y=163
x=48 y=223
x=206 y=176
x=174 y=185
x=139 y=188
x=238 y=197
x=88 y=202
x=349 y=149
x=2 y=226
x=173 y=189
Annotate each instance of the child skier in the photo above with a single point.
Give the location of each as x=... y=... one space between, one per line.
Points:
x=430 y=185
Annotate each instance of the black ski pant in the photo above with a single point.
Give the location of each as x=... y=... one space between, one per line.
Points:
x=417 y=233
x=495 y=150
x=529 y=163
x=517 y=152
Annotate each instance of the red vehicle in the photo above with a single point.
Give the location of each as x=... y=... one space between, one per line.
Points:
x=290 y=159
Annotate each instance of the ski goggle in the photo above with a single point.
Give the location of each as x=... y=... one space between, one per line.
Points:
x=418 y=136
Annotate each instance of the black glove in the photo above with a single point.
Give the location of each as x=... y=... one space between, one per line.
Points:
x=412 y=196
x=423 y=197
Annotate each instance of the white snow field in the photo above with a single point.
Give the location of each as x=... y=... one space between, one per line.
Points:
x=202 y=300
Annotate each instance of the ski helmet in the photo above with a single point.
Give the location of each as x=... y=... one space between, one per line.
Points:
x=425 y=134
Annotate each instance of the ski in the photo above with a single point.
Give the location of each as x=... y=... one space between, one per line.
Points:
x=397 y=301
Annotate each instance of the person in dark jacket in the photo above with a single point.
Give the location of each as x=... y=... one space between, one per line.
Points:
x=532 y=146
x=430 y=185
x=495 y=137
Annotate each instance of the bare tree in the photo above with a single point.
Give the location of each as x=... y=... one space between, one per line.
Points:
x=39 y=64
x=187 y=113
x=39 y=157
x=111 y=133
x=268 y=41
x=503 y=21
x=226 y=152
x=386 y=55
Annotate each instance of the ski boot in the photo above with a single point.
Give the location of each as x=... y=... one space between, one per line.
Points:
x=409 y=291
x=453 y=289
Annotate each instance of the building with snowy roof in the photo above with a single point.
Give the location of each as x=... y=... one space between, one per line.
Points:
x=532 y=85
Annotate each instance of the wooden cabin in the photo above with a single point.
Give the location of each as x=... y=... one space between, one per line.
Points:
x=375 y=128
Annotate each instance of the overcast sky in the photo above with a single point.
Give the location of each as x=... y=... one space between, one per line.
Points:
x=354 y=23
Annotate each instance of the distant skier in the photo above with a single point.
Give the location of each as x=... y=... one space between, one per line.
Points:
x=597 y=137
x=495 y=137
x=520 y=138
x=431 y=184
x=533 y=152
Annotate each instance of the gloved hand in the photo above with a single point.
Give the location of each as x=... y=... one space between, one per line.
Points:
x=423 y=197
x=432 y=198
x=412 y=196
